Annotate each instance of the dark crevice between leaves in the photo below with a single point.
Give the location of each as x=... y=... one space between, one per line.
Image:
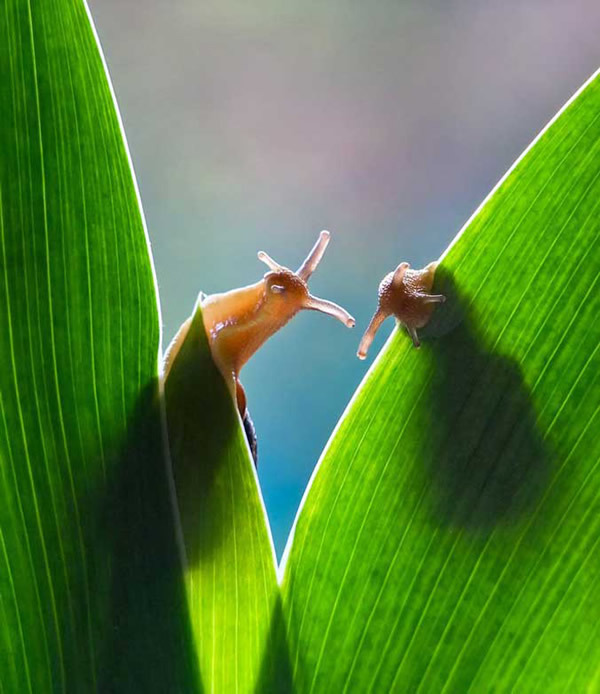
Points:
x=275 y=675
x=487 y=459
x=149 y=644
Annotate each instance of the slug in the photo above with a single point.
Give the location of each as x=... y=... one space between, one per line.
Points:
x=238 y=322
x=404 y=294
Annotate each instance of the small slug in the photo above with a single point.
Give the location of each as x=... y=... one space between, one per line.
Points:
x=238 y=322
x=404 y=294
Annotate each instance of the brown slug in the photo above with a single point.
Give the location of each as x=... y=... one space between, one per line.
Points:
x=404 y=294
x=238 y=322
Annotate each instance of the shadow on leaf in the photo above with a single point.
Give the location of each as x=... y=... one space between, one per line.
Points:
x=202 y=426
x=488 y=463
x=149 y=643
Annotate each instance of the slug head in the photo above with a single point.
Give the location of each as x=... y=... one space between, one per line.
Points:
x=286 y=292
x=404 y=294
x=240 y=321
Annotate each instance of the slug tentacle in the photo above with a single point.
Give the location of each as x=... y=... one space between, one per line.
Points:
x=314 y=257
x=404 y=293
x=370 y=333
x=412 y=331
x=433 y=298
x=331 y=309
x=399 y=272
x=267 y=260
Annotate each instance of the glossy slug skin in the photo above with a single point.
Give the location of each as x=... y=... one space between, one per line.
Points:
x=238 y=322
x=404 y=294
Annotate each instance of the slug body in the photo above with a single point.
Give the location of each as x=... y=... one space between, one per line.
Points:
x=404 y=293
x=238 y=322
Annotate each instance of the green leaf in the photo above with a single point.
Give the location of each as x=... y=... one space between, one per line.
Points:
x=91 y=590
x=450 y=540
x=230 y=564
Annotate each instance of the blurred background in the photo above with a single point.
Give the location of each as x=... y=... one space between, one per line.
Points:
x=254 y=125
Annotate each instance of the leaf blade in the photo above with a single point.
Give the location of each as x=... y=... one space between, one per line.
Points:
x=523 y=265
x=230 y=562
x=82 y=471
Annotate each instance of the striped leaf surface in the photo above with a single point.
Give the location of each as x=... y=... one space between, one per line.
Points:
x=230 y=563
x=450 y=540
x=91 y=590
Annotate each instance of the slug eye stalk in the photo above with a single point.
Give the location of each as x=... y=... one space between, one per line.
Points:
x=269 y=262
x=314 y=257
